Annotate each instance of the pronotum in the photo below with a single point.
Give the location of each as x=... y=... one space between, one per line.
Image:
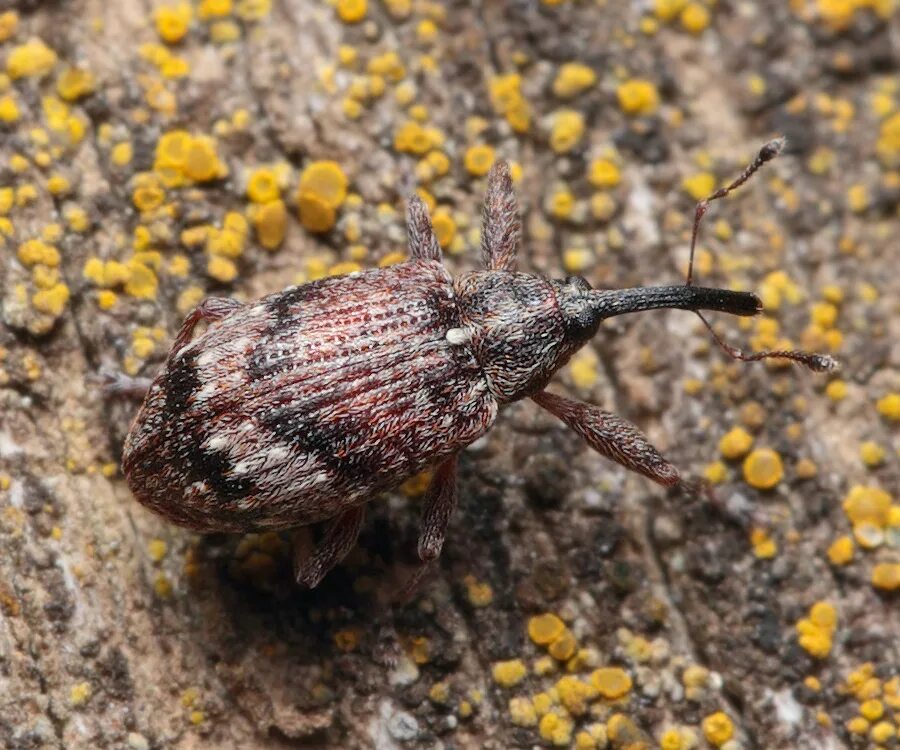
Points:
x=300 y=407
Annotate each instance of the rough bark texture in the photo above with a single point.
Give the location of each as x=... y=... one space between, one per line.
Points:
x=119 y=630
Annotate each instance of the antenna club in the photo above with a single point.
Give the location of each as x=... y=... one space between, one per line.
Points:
x=772 y=149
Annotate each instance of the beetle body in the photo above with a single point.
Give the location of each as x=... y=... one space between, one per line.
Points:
x=300 y=407
x=294 y=408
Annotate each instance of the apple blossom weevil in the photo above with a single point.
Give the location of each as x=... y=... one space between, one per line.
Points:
x=300 y=407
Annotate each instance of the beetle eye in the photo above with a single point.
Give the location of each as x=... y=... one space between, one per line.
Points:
x=578 y=282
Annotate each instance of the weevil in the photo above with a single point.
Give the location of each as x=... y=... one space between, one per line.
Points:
x=302 y=406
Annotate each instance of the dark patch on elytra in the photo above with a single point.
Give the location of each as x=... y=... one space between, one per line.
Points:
x=218 y=470
x=284 y=305
x=181 y=382
x=326 y=440
x=284 y=309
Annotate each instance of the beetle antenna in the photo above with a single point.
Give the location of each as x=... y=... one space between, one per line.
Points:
x=814 y=361
x=766 y=153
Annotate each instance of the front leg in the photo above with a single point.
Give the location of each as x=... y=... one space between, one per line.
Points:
x=501 y=227
x=423 y=245
x=209 y=311
x=339 y=538
x=611 y=436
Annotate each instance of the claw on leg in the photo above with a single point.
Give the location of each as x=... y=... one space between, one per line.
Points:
x=118 y=384
x=339 y=538
x=611 y=436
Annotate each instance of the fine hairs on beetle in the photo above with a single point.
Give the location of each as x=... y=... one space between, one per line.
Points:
x=300 y=407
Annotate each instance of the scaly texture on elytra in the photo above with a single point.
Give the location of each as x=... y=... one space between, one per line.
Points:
x=302 y=406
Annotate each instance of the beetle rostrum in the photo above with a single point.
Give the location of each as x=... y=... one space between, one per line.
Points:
x=302 y=406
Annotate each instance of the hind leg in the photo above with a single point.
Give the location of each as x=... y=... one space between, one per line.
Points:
x=209 y=311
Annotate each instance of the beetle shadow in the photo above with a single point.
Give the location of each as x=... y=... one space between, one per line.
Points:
x=248 y=581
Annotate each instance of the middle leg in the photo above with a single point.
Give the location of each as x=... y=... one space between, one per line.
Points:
x=340 y=535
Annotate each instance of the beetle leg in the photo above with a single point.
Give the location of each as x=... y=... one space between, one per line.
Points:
x=422 y=242
x=440 y=500
x=611 y=436
x=500 y=224
x=339 y=538
x=210 y=310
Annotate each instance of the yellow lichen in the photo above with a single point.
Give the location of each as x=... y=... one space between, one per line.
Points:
x=566 y=130
x=667 y=10
x=213 y=9
x=51 y=301
x=509 y=673
x=573 y=79
x=32 y=59
x=699 y=186
x=836 y=390
x=173 y=22
x=556 y=728
x=142 y=282
x=564 y=647
x=262 y=187
x=411 y=138
x=253 y=10
x=695 y=18
x=638 y=97
x=522 y=713
x=604 y=174
x=735 y=443
x=80 y=693
x=38 y=251
x=546 y=628
x=763 y=469
x=866 y=504
x=841 y=551
x=507 y=100
x=764 y=546
x=611 y=682
x=326 y=181
x=815 y=631
x=888 y=406
x=480 y=593
x=871 y=453
x=351 y=11
x=157 y=549
x=478 y=160
x=9 y=23
x=886 y=576
x=717 y=728
x=270 y=222
x=315 y=214
x=201 y=162
x=9 y=109
x=74 y=83
x=575 y=694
